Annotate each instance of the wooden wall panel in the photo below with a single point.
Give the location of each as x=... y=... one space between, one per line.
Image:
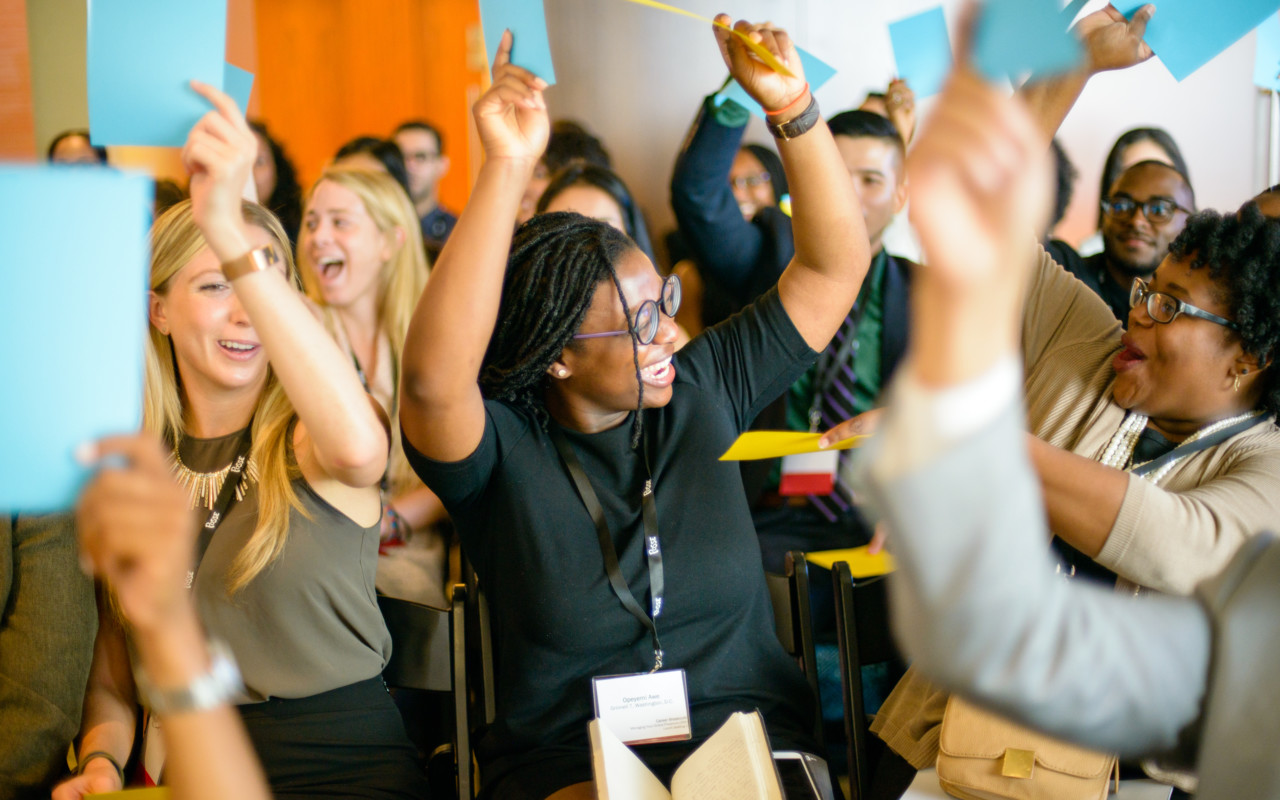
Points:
x=330 y=70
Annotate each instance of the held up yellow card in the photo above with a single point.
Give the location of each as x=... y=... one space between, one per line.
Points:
x=862 y=564
x=150 y=793
x=775 y=444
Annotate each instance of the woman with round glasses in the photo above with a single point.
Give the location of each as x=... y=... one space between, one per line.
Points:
x=1157 y=448
x=577 y=453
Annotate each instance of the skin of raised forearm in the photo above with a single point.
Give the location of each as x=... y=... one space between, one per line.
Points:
x=110 y=696
x=1051 y=100
x=455 y=316
x=956 y=339
x=1081 y=496
x=348 y=439
x=830 y=237
x=420 y=508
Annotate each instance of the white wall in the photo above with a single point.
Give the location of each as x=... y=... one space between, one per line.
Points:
x=635 y=76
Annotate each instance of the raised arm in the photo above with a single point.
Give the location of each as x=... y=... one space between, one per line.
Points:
x=1111 y=42
x=441 y=408
x=138 y=537
x=975 y=602
x=344 y=436
x=726 y=246
x=821 y=283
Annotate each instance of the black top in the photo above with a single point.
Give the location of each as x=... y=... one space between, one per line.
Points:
x=1093 y=272
x=557 y=623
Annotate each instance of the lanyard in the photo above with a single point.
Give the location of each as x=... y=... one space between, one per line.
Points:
x=653 y=547
x=1188 y=448
x=226 y=498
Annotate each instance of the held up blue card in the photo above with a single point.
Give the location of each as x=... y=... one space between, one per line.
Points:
x=1021 y=37
x=816 y=72
x=923 y=51
x=75 y=309
x=1266 y=61
x=530 y=47
x=238 y=83
x=141 y=56
x=1187 y=34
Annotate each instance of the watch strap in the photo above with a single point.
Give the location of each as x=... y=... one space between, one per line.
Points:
x=799 y=124
x=256 y=260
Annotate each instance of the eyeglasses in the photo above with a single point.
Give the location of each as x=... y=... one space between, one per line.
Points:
x=1165 y=308
x=645 y=324
x=750 y=181
x=1158 y=210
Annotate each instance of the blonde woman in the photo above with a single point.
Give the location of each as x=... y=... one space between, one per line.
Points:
x=364 y=265
x=281 y=452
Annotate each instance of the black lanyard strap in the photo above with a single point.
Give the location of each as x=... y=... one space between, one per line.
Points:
x=653 y=545
x=1188 y=448
x=221 y=506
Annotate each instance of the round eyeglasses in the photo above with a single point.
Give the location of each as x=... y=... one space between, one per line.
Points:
x=1164 y=308
x=1158 y=210
x=644 y=326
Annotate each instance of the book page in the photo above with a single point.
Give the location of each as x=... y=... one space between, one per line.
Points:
x=734 y=764
x=619 y=773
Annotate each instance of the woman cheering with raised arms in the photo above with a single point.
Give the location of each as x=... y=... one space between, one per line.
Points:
x=540 y=381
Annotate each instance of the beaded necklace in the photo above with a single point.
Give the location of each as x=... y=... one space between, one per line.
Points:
x=1119 y=450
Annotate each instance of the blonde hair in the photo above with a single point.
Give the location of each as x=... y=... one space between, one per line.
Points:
x=175 y=240
x=400 y=281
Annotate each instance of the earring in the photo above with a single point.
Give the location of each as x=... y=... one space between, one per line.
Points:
x=560 y=373
x=1235 y=387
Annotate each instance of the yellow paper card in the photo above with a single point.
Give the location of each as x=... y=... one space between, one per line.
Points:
x=775 y=444
x=862 y=564
x=758 y=49
x=150 y=793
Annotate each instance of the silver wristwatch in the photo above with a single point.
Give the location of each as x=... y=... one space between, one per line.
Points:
x=220 y=684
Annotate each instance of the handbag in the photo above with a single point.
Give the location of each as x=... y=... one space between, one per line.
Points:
x=983 y=756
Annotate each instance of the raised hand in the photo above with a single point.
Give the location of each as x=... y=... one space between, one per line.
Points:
x=137 y=534
x=1113 y=42
x=219 y=154
x=771 y=89
x=900 y=104
x=511 y=117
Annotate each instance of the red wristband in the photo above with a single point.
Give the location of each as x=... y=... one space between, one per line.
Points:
x=791 y=105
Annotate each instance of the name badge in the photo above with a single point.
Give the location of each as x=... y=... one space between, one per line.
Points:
x=644 y=708
x=809 y=473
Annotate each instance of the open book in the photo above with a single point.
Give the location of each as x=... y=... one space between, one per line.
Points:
x=735 y=763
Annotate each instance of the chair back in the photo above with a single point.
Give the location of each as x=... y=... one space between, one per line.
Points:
x=419 y=645
x=473 y=675
x=863 y=637
x=793 y=623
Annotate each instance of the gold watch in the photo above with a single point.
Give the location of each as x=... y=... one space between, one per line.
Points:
x=256 y=260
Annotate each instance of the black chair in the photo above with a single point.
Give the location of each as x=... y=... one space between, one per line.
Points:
x=792 y=620
x=863 y=638
x=473 y=676
x=420 y=662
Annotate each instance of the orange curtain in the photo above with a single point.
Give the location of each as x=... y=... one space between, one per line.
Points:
x=331 y=70
x=17 y=123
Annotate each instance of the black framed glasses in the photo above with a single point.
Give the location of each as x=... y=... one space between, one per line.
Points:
x=644 y=326
x=1164 y=308
x=750 y=181
x=1158 y=210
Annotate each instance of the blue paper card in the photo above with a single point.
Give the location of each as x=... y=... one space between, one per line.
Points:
x=816 y=72
x=1266 y=60
x=75 y=309
x=1021 y=37
x=141 y=56
x=238 y=83
x=923 y=51
x=1187 y=34
x=530 y=47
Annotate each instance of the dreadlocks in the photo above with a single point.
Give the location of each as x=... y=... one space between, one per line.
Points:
x=1242 y=253
x=557 y=261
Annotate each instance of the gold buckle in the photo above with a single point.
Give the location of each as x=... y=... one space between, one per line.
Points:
x=1018 y=763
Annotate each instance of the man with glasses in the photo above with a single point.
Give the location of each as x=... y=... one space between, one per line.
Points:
x=426 y=163
x=1145 y=210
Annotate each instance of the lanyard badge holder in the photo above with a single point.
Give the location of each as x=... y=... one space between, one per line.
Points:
x=645 y=707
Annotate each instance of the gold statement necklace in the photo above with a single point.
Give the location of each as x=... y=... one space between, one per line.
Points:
x=203 y=487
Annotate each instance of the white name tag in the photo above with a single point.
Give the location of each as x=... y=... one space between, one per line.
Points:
x=644 y=708
x=809 y=473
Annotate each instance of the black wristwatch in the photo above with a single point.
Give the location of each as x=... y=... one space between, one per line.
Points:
x=797 y=126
